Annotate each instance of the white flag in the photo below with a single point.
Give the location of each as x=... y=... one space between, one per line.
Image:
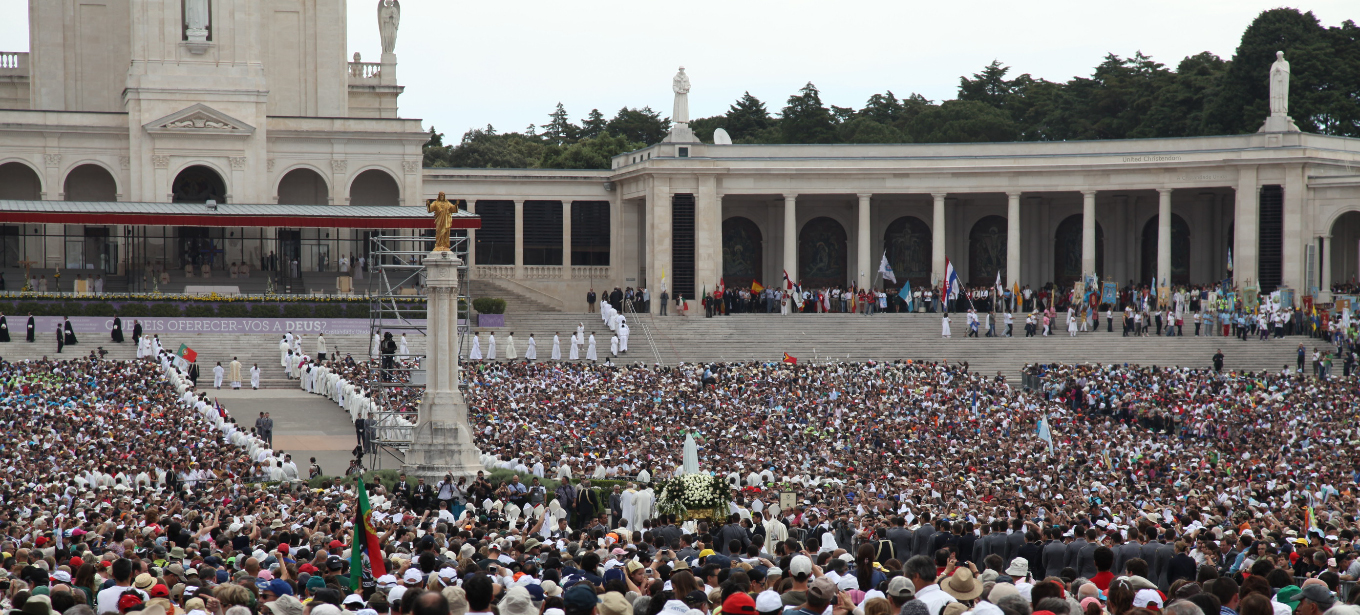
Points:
x=886 y=269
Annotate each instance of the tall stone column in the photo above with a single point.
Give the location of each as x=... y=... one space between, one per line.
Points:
x=1012 y=239
x=1325 y=279
x=791 y=236
x=1163 y=236
x=864 y=260
x=1297 y=229
x=519 y=239
x=659 y=245
x=566 y=239
x=441 y=442
x=1088 y=233
x=708 y=235
x=937 y=239
x=1246 y=235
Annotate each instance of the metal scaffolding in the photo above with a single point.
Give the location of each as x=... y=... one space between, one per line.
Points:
x=397 y=305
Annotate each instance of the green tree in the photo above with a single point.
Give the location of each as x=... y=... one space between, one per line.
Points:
x=703 y=127
x=747 y=116
x=639 y=125
x=806 y=120
x=989 y=86
x=593 y=125
x=436 y=154
x=866 y=130
x=592 y=153
x=1178 y=108
x=883 y=108
x=963 y=121
x=484 y=149
x=560 y=130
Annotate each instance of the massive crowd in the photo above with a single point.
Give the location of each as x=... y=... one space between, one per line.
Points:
x=919 y=489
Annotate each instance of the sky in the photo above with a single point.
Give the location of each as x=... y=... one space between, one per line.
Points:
x=468 y=64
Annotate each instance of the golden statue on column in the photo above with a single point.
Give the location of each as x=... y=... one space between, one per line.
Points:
x=443 y=212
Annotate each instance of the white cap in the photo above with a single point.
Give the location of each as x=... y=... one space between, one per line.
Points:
x=800 y=564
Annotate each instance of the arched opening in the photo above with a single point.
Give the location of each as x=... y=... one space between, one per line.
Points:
x=303 y=187
x=19 y=182
x=1345 y=252
x=908 y=243
x=987 y=251
x=376 y=187
x=1067 y=251
x=1180 y=251
x=90 y=182
x=743 y=251
x=822 y=250
x=199 y=184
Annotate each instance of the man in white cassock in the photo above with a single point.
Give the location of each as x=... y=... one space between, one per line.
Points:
x=531 y=352
x=557 y=348
x=510 y=352
x=255 y=376
x=590 y=349
x=575 y=348
x=218 y=372
x=476 y=354
x=491 y=347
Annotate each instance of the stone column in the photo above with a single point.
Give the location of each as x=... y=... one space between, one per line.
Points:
x=1297 y=228
x=937 y=239
x=1088 y=233
x=566 y=239
x=708 y=235
x=1012 y=239
x=791 y=236
x=519 y=239
x=1163 y=236
x=1246 y=236
x=1325 y=278
x=659 y=245
x=865 y=260
x=442 y=441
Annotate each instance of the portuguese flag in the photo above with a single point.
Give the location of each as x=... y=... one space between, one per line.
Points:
x=365 y=540
x=187 y=353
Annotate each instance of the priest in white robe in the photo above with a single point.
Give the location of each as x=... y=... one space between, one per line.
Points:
x=531 y=352
x=491 y=347
x=510 y=352
x=590 y=349
x=476 y=354
x=557 y=348
x=575 y=347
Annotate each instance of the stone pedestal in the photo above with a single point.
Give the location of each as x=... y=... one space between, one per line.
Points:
x=442 y=441
x=1279 y=123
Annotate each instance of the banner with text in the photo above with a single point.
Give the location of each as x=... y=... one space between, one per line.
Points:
x=182 y=325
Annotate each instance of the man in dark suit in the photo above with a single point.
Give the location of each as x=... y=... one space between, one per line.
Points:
x=31 y=332
x=1166 y=549
x=942 y=538
x=402 y=490
x=136 y=331
x=925 y=534
x=1148 y=553
x=1015 y=540
x=1054 y=557
x=422 y=496
x=1131 y=549
x=1032 y=551
x=1074 y=548
x=901 y=538
x=996 y=542
x=980 y=545
x=1181 y=566
x=1086 y=562
x=967 y=542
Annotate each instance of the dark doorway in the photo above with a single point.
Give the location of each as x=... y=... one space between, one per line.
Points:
x=199 y=184
x=743 y=253
x=987 y=251
x=1067 y=251
x=908 y=244
x=822 y=254
x=290 y=250
x=1180 y=250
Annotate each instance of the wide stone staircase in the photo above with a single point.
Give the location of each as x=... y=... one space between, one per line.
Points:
x=748 y=337
x=886 y=337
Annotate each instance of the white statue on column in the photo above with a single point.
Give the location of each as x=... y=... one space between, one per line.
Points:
x=1279 y=120
x=197 y=17
x=1279 y=85
x=680 y=132
x=681 y=86
x=389 y=17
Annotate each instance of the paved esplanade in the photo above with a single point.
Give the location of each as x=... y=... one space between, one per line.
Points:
x=305 y=425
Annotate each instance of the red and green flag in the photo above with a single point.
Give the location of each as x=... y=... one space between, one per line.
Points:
x=187 y=353
x=365 y=541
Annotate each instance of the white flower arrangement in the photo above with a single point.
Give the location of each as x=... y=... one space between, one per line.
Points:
x=692 y=491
